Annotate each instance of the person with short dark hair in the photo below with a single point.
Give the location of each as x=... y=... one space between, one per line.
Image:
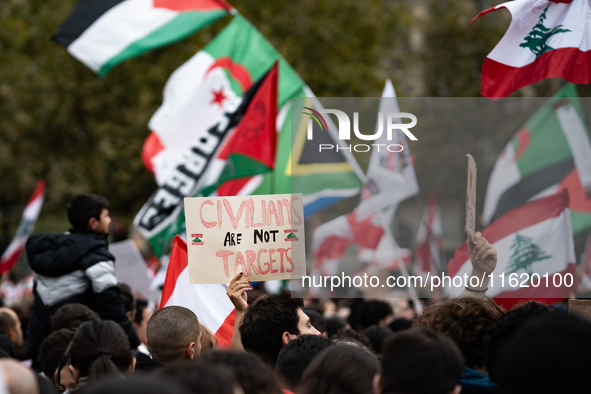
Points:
x=201 y=379
x=271 y=323
x=251 y=373
x=75 y=267
x=53 y=349
x=373 y=312
x=295 y=357
x=135 y=385
x=10 y=327
x=71 y=316
x=142 y=316
x=340 y=369
x=334 y=324
x=128 y=300
x=317 y=320
x=501 y=330
x=174 y=334
x=420 y=361
x=465 y=321
x=377 y=335
x=547 y=355
x=99 y=349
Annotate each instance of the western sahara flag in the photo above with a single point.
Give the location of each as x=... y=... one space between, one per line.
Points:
x=546 y=39
x=549 y=153
x=104 y=33
x=535 y=238
x=159 y=219
x=429 y=239
x=25 y=228
x=209 y=302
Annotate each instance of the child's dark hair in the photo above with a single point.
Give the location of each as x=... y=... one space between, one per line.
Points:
x=100 y=348
x=83 y=207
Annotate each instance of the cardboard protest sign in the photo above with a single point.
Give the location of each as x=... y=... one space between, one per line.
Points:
x=471 y=198
x=261 y=236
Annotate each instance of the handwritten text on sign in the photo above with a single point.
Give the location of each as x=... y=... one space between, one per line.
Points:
x=261 y=236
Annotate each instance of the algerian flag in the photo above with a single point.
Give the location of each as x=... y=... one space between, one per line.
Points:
x=203 y=88
x=549 y=153
x=104 y=33
x=546 y=39
x=532 y=241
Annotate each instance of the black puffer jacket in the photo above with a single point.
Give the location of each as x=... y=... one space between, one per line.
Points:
x=75 y=267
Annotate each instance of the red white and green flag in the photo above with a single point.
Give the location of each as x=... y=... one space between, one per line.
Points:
x=429 y=240
x=551 y=152
x=535 y=244
x=209 y=302
x=25 y=228
x=546 y=39
x=104 y=33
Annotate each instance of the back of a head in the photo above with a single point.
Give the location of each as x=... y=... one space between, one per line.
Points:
x=142 y=384
x=265 y=322
x=100 y=349
x=340 y=369
x=334 y=324
x=377 y=335
x=547 y=355
x=372 y=312
x=83 y=207
x=7 y=320
x=465 y=320
x=501 y=331
x=316 y=319
x=295 y=357
x=170 y=330
x=199 y=378
x=251 y=373
x=53 y=349
x=128 y=299
x=208 y=340
x=71 y=316
x=420 y=361
x=18 y=379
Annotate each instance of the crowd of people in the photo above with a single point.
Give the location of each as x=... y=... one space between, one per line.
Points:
x=85 y=333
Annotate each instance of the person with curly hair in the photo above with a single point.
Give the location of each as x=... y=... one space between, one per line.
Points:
x=465 y=321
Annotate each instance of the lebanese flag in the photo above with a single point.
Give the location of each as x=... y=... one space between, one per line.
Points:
x=104 y=33
x=546 y=39
x=209 y=302
x=25 y=228
x=331 y=239
x=251 y=148
x=429 y=239
x=535 y=238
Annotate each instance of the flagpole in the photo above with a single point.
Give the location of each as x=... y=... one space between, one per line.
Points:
x=361 y=175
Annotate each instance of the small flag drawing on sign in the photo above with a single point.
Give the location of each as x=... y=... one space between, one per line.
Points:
x=197 y=239
x=291 y=235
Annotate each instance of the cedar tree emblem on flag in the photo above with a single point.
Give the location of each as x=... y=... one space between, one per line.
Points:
x=525 y=253
x=197 y=239
x=537 y=37
x=291 y=236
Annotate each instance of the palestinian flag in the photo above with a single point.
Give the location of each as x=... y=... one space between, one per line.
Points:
x=209 y=302
x=546 y=39
x=429 y=240
x=251 y=148
x=534 y=239
x=104 y=33
x=25 y=228
x=160 y=218
x=545 y=156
